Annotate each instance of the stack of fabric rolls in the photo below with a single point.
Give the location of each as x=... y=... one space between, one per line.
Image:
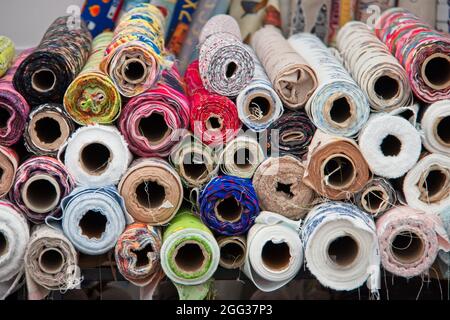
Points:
x=266 y=155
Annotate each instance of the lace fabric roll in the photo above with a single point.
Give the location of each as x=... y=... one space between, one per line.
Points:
x=214 y=118
x=423 y=52
x=233 y=250
x=275 y=251
x=226 y=67
x=279 y=185
x=341 y=247
x=151 y=121
x=229 y=205
x=377 y=197
x=241 y=157
x=292 y=77
x=93 y=219
x=427 y=186
x=92 y=97
x=7 y=53
x=152 y=191
x=189 y=254
x=390 y=144
x=258 y=104
x=9 y=162
x=14 y=237
x=46 y=73
x=135 y=58
x=97 y=156
x=435 y=127
x=47 y=130
x=371 y=64
x=39 y=186
x=338 y=106
x=335 y=167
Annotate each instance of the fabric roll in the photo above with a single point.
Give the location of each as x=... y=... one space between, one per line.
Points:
x=435 y=127
x=371 y=64
x=151 y=122
x=46 y=73
x=214 y=118
x=342 y=11
x=341 y=247
x=390 y=144
x=179 y=26
x=424 y=9
x=241 y=157
x=135 y=58
x=291 y=134
x=9 y=161
x=7 y=53
x=167 y=7
x=51 y=263
x=258 y=104
x=189 y=254
x=427 y=186
x=279 y=185
x=443 y=16
x=229 y=205
x=292 y=77
x=423 y=52
x=338 y=106
x=275 y=251
x=130 y=4
x=335 y=167
x=92 y=97
x=410 y=241
x=152 y=191
x=39 y=186
x=97 y=156
x=47 y=130
x=443 y=255
x=368 y=8
x=377 y=197
x=101 y=15
x=14 y=238
x=233 y=250
x=285 y=13
x=93 y=219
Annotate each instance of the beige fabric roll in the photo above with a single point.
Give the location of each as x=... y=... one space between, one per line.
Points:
x=8 y=167
x=233 y=250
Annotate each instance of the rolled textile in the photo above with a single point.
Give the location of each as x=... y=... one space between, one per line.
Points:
x=292 y=77
x=338 y=106
x=229 y=205
x=424 y=9
x=410 y=240
x=423 y=52
x=279 y=185
x=367 y=9
x=180 y=24
x=97 y=156
x=335 y=167
x=258 y=104
x=435 y=127
x=151 y=122
x=14 y=109
x=189 y=254
x=427 y=186
x=275 y=251
x=377 y=197
x=443 y=255
x=342 y=11
x=341 y=247
x=14 y=238
x=46 y=73
x=233 y=250
x=214 y=118
x=7 y=53
x=390 y=144
x=51 y=263
x=226 y=67
x=92 y=97
x=291 y=134
x=152 y=191
x=371 y=64
x=135 y=58
x=130 y=4
x=39 y=186
x=9 y=161
x=47 y=130
x=101 y=15
x=94 y=218
x=241 y=157
x=443 y=16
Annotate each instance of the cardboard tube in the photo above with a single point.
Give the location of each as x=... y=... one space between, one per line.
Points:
x=232 y=251
x=434 y=184
x=51 y=260
x=190 y=256
x=95 y=158
x=228 y=210
x=93 y=224
x=276 y=256
x=407 y=247
x=340 y=111
x=8 y=167
x=154 y=128
x=49 y=130
x=343 y=251
x=134 y=71
x=41 y=193
x=436 y=71
x=43 y=80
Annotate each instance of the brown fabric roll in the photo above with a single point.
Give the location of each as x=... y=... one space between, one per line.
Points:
x=232 y=251
x=280 y=188
x=335 y=168
x=292 y=78
x=8 y=166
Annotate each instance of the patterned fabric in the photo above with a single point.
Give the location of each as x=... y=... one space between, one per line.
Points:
x=101 y=15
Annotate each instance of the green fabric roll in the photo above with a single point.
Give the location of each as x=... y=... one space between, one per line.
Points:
x=7 y=53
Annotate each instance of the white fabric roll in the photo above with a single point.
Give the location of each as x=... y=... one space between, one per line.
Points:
x=436 y=128
x=274 y=251
x=390 y=144
x=97 y=156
